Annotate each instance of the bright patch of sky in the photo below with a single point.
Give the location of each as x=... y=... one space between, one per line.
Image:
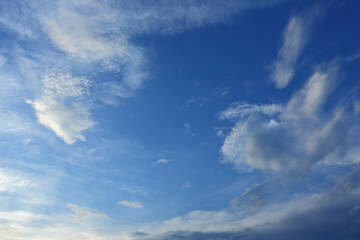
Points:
x=234 y=119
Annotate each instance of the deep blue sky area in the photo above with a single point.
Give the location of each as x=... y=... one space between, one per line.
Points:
x=204 y=119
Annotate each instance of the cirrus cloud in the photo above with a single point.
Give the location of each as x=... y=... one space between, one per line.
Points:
x=130 y=204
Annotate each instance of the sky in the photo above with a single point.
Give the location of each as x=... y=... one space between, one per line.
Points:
x=189 y=119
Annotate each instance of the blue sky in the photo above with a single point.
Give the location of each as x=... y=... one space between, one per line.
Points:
x=233 y=119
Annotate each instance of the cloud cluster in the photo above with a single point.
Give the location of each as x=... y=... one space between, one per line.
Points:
x=96 y=36
x=303 y=216
x=83 y=213
x=300 y=135
x=332 y=214
x=100 y=32
x=17 y=225
x=92 y=38
x=11 y=183
x=167 y=17
x=61 y=106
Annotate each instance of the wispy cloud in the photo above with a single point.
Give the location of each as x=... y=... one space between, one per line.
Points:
x=217 y=222
x=166 y=17
x=97 y=37
x=207 y=101
x=298 y=135
x=133 y=189
x=130 y=204
x=186 y=185
x=84 y=213
x=295 y=37
x=239 y=110
x=102 y=31
x=299 y=213
x=188 y=130
x=162 y=161
x=33 y=226
x=61 y=108
x=12 y=183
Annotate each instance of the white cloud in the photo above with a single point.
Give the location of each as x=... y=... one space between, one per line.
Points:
x=61 y=108
x=133 y=189
x=186 y=185
x=227 y=221
x=91 y=151
x=168 y=17
x=13 y=120
x=295 y=37
x=300 y=135
x=101 y=31
x=13 y=123
x=83 y=213
x=18 y=225
x=162 y=161
x=188 y=130
x=344 y=196
x=65 y=85
x=94 y=35
x=82 y=33
x=239 y=110
x=299 y=210
x=130 y=204
x=294 y=40
x=12 y=183
x=15 y=16
x=311 y=98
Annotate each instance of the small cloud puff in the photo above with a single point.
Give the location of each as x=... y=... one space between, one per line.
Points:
x=162 y=161
x=130 y=204
x=186 y=185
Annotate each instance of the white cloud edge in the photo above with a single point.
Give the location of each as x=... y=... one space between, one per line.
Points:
x=296 y=135
x=295 y=37
x=130 y=204
x=162 y=161
x=12 y=183
x=84 y=213
x=61 y=107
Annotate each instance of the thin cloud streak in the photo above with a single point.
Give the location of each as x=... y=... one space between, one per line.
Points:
x=162 y=161
x=130 y=204
x=83 y=213
x=295 y=37
x=12 y=183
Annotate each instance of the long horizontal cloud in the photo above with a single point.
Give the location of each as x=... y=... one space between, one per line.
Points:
x=130 y=204
x=299 y=136
x=332 y=214
x=83 y=213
